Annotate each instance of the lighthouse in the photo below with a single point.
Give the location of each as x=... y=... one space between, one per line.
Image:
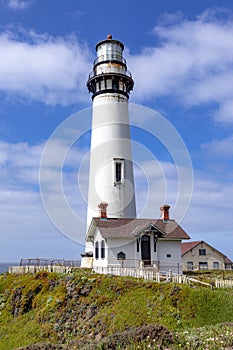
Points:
x=111 y=180
x=115 y=237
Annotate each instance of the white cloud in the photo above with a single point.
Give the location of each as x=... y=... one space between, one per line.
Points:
x=209 y=215
x=225 y=112
x=21 y=209
x=192 y=64
x=44 y=68
x=19 y=4
x=221 y=148
x=19 y=162
x=210 y=211
x=22 y=216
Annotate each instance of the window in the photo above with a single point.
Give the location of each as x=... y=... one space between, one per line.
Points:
x=118 y=170
x=102 y=253
x=115 y=85
x=138 y=242
x=145 y=238
x=202 y=251
x=109 y=84
x=121 y=256
x=169 y=256
x=102 y=85
x=189 y=265
x=155 y=241
x=203 y=265
x=216 y=265
x=97 y=250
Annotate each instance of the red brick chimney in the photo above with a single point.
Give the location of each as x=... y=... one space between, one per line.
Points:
x=103 y=210
x=165 y=212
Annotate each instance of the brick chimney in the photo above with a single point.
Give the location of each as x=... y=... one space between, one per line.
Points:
x=103 y=210
x=165 y=212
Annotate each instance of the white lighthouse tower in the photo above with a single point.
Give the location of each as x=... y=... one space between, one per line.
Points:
x=115 y=237
x=111 y=172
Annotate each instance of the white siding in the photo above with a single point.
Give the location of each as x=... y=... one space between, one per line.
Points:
x=172 y=248
x=100 y=262
x=110 y=139
x=167 y=256
x=127 y=247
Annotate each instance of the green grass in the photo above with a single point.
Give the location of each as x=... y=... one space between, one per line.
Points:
x=23 y=331
x=62 y=308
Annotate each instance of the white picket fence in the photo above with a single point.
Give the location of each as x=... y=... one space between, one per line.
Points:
x=147 y=274
x=144 y=273
x=152 y=275
x=223 y=283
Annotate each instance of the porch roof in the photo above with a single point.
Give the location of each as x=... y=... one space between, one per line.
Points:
x=131 y=228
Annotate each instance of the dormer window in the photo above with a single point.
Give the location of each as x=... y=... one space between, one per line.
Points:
x=118 y=171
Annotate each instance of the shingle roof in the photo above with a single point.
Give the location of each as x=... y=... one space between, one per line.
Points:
x=185 y=247
x=131 y=228
x=228 y=261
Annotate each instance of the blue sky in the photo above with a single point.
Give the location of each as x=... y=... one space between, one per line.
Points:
x=181 y=56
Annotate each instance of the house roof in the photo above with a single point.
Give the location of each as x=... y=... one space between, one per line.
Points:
x=187 y=246
x=228 y=261
x=132 y=228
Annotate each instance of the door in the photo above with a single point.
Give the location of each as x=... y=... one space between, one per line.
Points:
x=145 y=249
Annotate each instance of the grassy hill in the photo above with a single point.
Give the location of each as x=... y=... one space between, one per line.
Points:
x=83 y=310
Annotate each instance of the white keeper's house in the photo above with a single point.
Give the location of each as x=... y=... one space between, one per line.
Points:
x=115 y=237
x=126 y=242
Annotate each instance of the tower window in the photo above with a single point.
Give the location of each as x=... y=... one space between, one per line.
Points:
x=118 y=171
x=115 y=85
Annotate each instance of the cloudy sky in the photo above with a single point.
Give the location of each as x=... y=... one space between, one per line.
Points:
x=180 y=54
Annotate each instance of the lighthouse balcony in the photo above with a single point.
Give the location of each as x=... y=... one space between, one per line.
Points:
x=110 y=82
x=109 y=70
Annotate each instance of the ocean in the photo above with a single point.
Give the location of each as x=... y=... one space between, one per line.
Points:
x=4 y=266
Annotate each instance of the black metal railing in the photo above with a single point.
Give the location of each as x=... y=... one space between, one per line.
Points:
x=49 y=262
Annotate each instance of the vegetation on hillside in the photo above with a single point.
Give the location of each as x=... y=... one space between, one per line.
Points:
x=83 y=310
